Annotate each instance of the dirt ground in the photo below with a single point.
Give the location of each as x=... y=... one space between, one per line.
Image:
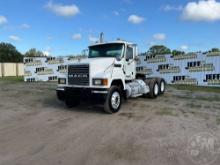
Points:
x=36 y=129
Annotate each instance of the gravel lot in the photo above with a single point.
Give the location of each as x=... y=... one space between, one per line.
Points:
x=36 y=129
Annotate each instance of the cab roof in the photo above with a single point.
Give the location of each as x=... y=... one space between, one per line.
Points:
x=113 y=42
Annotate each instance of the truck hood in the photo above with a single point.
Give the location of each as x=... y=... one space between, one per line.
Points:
x=99 y=67
x=97 y=61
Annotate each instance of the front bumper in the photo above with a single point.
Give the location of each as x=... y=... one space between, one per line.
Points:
x=85 y=94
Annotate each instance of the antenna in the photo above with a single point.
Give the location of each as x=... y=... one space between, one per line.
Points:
x=101 y=40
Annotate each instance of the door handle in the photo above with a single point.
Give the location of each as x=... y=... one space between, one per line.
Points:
x=130 y=62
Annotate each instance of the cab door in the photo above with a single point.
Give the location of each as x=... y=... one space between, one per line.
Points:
x=130 y=67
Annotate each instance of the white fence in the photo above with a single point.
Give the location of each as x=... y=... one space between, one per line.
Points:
x=189 y=69
x=11 y=69
x=46 y=68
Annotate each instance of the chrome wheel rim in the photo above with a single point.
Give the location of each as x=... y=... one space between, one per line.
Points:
x=162 y=87
x=115 y=100
x=156 y=89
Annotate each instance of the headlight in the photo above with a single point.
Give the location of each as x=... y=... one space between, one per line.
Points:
x=61 y=81
x=97 y=82
x=100 y=82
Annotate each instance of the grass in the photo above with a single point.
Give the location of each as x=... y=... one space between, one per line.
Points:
x=202 y=98
x=197 y=88
x=193 y=105
x=166 y=112
x=210 y=99
x=12 y=79
x=218 y=121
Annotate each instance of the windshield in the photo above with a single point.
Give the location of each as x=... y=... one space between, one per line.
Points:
x=106 y=50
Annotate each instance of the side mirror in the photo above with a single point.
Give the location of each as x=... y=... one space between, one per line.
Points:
x=85 y=52
x=118 y=58
x=137 y=58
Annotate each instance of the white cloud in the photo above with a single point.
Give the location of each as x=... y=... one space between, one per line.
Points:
x=77 y=36
x=25 y=26
x=116 y=13
x=203 y=10
x=159 y=36
x=47 y=51
x=184 y=47
x=3 y=20
x=151 y=43
x=135 y=19
x=49 y=38
x=14 y=38
x=172 y=8
x=93 y=39
x=63 y=10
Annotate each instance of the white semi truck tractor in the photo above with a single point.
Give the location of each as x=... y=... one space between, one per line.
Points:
x=108 y=76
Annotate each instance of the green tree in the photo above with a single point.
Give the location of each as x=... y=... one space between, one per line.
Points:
x=159 y=49
x=9 y=53
x=34 y=53
x=215 y=50
x=177 y=52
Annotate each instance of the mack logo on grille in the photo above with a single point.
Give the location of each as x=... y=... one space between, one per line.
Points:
x=78 y=75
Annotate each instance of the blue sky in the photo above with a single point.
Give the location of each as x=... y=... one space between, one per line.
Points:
x=64 y=27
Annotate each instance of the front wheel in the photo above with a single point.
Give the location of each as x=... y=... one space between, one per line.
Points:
x=113 y=100
x=61 y=95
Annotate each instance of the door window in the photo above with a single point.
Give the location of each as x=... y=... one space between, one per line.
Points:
x=129 y=54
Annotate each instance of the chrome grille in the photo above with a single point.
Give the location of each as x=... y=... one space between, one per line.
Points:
x=78 y=75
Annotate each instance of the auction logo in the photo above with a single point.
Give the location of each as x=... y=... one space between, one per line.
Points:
x=203 y=148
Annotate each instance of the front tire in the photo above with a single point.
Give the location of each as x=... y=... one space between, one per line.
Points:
x=61 y=95
x=113 y=101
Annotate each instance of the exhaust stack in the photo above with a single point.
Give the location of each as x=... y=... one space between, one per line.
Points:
x=101 y=40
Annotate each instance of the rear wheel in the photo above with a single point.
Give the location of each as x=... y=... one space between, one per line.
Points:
x=113 y=100
x=154 y=88
x=162 y=85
